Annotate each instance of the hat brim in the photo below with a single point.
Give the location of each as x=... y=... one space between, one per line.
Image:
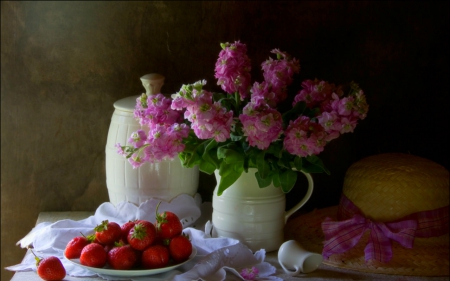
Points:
x=428 y=257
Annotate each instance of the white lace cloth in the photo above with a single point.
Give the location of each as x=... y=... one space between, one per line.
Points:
x=215 y=256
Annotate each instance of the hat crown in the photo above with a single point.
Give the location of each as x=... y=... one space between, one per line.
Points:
x=389 y=186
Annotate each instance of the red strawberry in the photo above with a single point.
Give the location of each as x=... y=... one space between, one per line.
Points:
x=108 y=232
x=93 y=255
x=126 y=228
x=75 y=246
x=50 y=269
x=142 y=235
x=122 y=257
x=167 y=224
x=155 y=256
x=180 y=248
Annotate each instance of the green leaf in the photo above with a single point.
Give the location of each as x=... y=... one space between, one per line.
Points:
x=194 y=158
x=229 y=174
x=237 y=133
x=211 y=158
x=227 y=102
x=229 y=155
x=235 y=137
x=298 y=163
x=284 y=163
x=218 y=96
x=294 y=113
x=276 y=149
x=262 y=165
x=287 y=180
x=189 y=160
x=210 y=145
x=263 y=182
x=314 y=164
x=276 y=179
x=206 y=167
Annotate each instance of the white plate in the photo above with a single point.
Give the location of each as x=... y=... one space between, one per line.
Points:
x=131 y=272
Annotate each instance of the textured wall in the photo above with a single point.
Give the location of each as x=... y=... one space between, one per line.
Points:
x=65 y=63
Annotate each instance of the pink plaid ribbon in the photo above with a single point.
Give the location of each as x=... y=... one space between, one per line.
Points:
x=341 y=236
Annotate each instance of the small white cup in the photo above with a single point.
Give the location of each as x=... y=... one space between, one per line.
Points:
x=294 y=258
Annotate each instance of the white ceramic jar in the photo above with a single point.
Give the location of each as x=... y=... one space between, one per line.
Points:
x=164 y=180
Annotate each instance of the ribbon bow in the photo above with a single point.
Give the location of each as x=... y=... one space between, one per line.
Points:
x=341 y=236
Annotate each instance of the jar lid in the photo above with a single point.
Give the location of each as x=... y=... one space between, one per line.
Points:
x=126 y=104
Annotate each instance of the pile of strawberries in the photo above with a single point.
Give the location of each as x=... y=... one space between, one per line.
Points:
x=135 y=244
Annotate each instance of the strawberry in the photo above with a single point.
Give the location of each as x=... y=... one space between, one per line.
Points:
x=93 y=255
x=142 y=235
x=126 y=228
x=122 y=257
x=108 y=232
x=167 y=224
x=50 y=269
x=75 y=246
x=155 y=256
x=180 y=248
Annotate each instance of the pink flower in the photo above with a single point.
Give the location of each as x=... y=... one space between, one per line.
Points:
x=209 y=120
x=304 y=137
x=360 y=105
x=232 y=69
x=348 y=124
x=279 y=73
x=249 y=273
x=315 y=92
x=187 y=96
x=263 y=93
x=163 y=142
x=120 y=149
x=158 y=111
x=136 y=161
x=341 y=115
x=217 y=127
x=262 y=124
x=138 y=138
x=343 y=106
x=331 y=122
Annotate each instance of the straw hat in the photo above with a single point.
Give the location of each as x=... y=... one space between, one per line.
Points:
x=386 y=188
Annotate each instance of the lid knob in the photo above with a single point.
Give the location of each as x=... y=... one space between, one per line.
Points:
x=152 y=83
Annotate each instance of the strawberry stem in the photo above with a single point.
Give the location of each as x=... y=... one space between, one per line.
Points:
x=102 y=226
x=139 y=231
x=38 y=260
x=160 y=218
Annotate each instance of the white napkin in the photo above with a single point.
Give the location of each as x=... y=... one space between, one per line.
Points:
x=214 y=257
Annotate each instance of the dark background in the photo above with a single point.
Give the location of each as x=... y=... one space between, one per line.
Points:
x=64 y=64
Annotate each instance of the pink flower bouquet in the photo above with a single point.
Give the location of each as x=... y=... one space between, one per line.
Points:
x=243 y=127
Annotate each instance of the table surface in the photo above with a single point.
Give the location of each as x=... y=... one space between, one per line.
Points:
x=324 y=272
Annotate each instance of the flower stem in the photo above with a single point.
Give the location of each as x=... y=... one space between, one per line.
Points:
x=238 y=102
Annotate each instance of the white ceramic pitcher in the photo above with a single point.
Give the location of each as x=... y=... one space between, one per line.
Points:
x=253 y=215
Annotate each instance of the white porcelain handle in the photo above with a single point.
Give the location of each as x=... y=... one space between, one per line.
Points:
x=290 y=272
x=305 y=198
